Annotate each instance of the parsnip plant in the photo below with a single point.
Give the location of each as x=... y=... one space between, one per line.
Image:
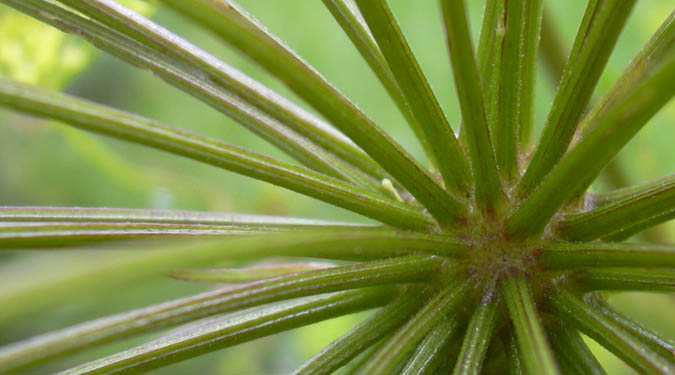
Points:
x=492 y=260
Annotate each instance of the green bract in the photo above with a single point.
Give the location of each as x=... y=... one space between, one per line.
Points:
x=492 y=260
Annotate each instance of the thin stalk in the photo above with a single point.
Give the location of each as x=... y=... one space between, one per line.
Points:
x=489 y=57
x=662 y=345
x=533 y=345
x=478 y=336
x=572 y=351
x=518 y=63
x=104 y=120
x=30 y=235
x=246 y=274
x=427 y=358
x=639 y=226
x=355 y=366
x=406 y=339
x=416 y=89
x=225 y=332
x=348 y=16
x=602 y=24
x=609 y=334
x=635 y=279
x=234 y=25
x=625 y=209
x=581 y=165
x=198 y=85
x=513 y=357
x=552 y=51
x=602 y=255
x=487 y=185
x=205 y=304
x=366 y=334
x=131 y=215
x=653 y=52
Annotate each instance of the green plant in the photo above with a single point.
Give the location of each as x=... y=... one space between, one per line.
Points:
x=496 y=254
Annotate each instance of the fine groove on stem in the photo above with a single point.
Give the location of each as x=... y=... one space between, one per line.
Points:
x=581 y=165
x=573 y=354
x=165 y=42
x=633 y=255
x=478 y=336
x=603 y=21
x=347 y=14
x=366 y=334
x=609 y=334
x=32 y=235
x=623 y=210
x=450 y=158
x=635 y=279
x=85 y=335
x=430 y=353
x=243 y=275
x=532 y=342
x=235 y=26
x=103 y=120
x=487 y=185
x=489 y=56
x=518 y=63
x=132 y=215
x=640 y=226
x=224 y=332
x=662 y=345
x=195 y=84
x=404 y=341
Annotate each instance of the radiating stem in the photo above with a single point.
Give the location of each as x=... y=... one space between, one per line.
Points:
x=487 y=185
x=532 y=342
x=581 y=165
x=404 y=341
x=104 y=120
x=350 y=19
x=369 y=332
x=240 y=29
x=634 y=255
x=623 y=211
x=423 y=103
x=552 y=52
x=478 y=336
x=572 y=352
x=225 y=332
x=603 y=21
x=609 y=334
x=635 y=279
x=431 y=352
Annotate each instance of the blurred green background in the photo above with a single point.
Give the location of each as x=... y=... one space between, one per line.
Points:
x=44 y=163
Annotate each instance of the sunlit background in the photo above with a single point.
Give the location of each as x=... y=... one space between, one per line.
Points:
x=46 y=163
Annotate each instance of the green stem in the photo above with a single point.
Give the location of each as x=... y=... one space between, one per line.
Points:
x=89 y=334
x=235 y=26
x=594 y=254
x=131 y=215
x=246 y=274
x=603 y=21
x=662 y=345
x=635 y=279
x=350 y=19
x=429 y=354
x=366 y=334
x=572 y=352
x=552 y=51
x=103 y=120
x=581 y=165
x=478 y=336
x=416 y=89
x=518 y=63
x=225 y=332
x=487 y=185
x=406 y=339
x=626 y=208
x=609 y=334
x=532 y=342
x=198 y=85
x=639 y=226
